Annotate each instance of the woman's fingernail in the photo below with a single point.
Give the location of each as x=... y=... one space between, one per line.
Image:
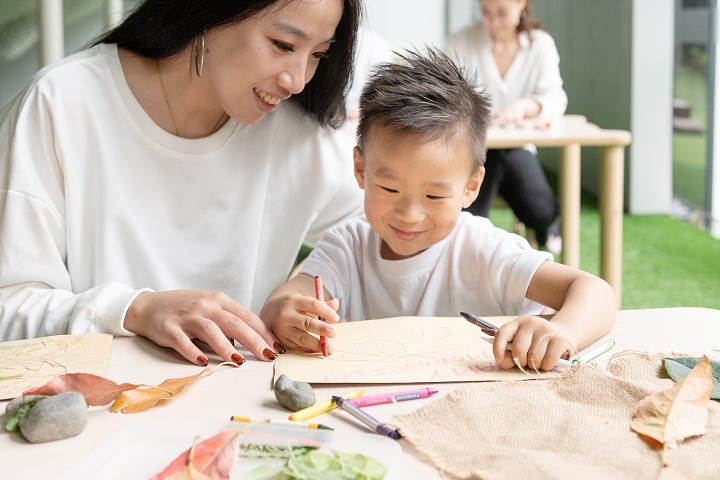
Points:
x=329 y=332
x=269 y=354
x=277 y=346
x=202 y=360
x=237 y=358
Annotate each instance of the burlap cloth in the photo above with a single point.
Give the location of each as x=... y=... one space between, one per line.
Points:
x=574 y=427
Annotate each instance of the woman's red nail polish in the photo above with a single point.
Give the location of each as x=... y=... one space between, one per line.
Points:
x=202 y=360
x=277 y=346
x=269 y=354
x=237 y=358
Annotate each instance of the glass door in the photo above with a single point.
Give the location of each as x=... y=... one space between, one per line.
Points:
x=692 y=109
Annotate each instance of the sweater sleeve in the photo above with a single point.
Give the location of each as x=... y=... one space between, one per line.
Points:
x=37 y=297
x=548 y=87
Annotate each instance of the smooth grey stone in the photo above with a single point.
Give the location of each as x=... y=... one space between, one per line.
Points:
x=294 y=395
x=18 y=402
x=57 y=417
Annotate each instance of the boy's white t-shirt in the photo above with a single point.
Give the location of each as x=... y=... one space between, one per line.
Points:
x=98 y=203
x=478 y=268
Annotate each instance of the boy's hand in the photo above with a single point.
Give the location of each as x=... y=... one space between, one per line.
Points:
x=536 y=343
x=292 y=316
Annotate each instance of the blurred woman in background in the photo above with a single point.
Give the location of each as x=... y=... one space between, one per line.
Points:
x=519 y=65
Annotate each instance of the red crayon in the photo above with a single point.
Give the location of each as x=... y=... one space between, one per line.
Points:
x=320 y=295
x=388 y=397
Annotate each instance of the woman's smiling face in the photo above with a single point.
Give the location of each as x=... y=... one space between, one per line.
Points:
x=254 y=65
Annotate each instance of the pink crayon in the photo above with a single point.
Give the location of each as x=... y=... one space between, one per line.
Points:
x=388 y=397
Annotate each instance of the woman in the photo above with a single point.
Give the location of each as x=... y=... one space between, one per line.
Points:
x=519 y=64
x=185 y=150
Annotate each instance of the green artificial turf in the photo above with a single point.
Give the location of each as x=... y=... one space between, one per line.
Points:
x=666 y=262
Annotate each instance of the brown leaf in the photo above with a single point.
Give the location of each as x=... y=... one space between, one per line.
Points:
x=96 y=390
x=140 y=399
x=213 y=458
x=672 y=415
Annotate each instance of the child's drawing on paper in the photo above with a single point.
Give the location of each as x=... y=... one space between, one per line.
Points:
x=402 y=350
x=393 y=343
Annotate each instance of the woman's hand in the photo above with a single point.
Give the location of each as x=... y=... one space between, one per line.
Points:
x=293 y=316
x=536 y=343
x=173 y=318
x=517 y=111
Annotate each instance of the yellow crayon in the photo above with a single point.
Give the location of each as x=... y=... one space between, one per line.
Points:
x=326 y=406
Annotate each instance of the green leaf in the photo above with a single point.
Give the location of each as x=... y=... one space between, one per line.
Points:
x=252 y=450
x=360 y=465
x=266 y=472
x=11 y=424
x=310 y=465
x=678 y=368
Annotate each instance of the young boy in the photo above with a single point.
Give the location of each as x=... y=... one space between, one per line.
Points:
x=419 y=158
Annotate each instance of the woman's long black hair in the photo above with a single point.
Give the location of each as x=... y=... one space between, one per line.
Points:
x=158 y=29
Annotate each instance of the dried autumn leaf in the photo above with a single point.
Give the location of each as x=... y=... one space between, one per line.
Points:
x=672 y=415
x=96 y=390
x=140 y=399
x=212 y=458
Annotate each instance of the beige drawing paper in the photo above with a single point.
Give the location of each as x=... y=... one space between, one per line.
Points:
x=401 y=350
x=36 y=361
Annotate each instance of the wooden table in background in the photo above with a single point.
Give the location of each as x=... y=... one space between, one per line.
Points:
x=247 y=391
x=569 y=134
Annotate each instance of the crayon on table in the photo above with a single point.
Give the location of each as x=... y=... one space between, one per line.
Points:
x=284 y=423
x=388 y=397
x=320 y=295
x=322 y=407
x=374 y=425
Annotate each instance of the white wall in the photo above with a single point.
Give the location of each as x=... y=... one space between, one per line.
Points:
x=407 y=23
x=650 y=182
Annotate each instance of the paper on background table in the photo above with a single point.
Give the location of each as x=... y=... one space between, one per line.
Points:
x=36 y=361
x=402 y=350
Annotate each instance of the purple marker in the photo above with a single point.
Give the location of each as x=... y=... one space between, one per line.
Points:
x=376 y=426
x=388 y=397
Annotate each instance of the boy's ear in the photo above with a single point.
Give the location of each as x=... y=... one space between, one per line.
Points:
x=473 y=187
x=359 y=167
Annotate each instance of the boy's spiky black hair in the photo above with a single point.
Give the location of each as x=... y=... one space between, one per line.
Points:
x=425 y=93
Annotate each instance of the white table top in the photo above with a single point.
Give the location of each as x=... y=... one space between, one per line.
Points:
x=247 y=391
x=558 y=132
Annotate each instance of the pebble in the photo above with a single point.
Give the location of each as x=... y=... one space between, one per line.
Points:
x=54 y=418
x=294 y=395
x=18 y=402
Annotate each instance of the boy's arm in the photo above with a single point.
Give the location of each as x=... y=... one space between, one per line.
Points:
x=291 y=311
x=586 y=306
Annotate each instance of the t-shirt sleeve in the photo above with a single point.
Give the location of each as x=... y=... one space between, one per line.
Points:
x=334 y=260
x=346 y=201
x=36 y=291
x=512 y=266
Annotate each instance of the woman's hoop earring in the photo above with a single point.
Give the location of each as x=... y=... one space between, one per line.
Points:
x=199 y=54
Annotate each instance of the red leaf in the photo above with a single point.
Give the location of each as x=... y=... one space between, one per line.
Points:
x=214 y=457
x=97 y=390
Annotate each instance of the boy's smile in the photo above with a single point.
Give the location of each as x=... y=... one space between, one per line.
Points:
x=414 y=189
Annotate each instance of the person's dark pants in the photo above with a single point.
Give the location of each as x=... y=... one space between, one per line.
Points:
x=516 y=175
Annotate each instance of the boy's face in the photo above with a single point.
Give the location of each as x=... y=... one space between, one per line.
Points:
x=414 y=191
